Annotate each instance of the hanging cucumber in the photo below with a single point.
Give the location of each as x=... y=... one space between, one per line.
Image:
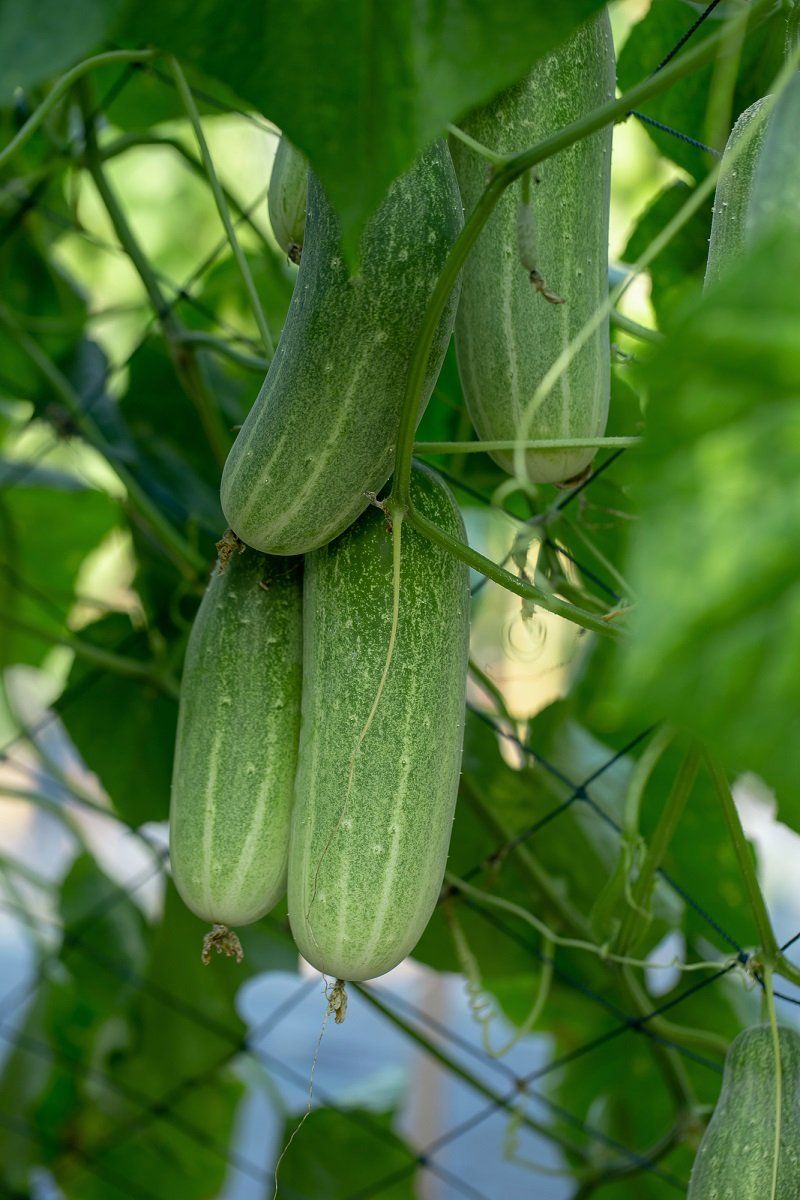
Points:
x=375 y=790
x=775 y=193
x=286 y=199
x=236 y=746
x=732 y=197
x=736 y=1157
x=539 y=268
x=320 y=435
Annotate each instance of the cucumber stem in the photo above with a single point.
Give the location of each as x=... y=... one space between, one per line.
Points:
x=474 y=447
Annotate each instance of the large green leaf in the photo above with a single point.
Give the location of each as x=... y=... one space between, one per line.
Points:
x=360 y=88
x=338 y=1154
x=37 y=40
x=40 y=553
x=713 y=562
x=678 y=271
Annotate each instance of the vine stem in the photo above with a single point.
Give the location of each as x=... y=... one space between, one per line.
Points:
x=657 y=848
x=527 y=591
x=60 y=89
x=186 y=558
x=776 y=1047
x=537 y=444
x=744 y=857
x=187 y=99
x=635 y=329
x=504 y=174
x=183 y=356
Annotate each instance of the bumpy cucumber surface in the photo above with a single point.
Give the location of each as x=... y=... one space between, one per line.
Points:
x=734 y=186
x=736 y=1155
x=507 y=334
x=368 y=850
x=237 y=740
x=320 y=434
x=286 y=198
x=776 y=178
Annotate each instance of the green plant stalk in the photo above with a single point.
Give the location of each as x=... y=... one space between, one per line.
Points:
x=186 y=558
x=473 y=447
x=187 y=99
x=477 y=147
x=657 y=848
x=60 y=89
x=197 y=337
x=504 y=175
x=628 y=325
x=183 y=358
x=489 y=686
x=744 y=858
x=108 y=660
x=590 y=1183
x=504 y=1102
x=130 y=141
x=498 y=574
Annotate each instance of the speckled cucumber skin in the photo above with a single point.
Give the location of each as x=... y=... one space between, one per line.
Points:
x=236 y=747
x=734 y=186
x=365 y=869
x=775 y=193
x=321 y=432
x=286 y=199
x=735 y=1158
x=507 y=334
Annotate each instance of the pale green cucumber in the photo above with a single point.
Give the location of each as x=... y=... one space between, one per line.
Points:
x=507 y=333
x=736 y=1156
x=236 y=747
x=775 y=196
x=321 y=433
x=286 y=199
x=732 y=197
x=373 y=811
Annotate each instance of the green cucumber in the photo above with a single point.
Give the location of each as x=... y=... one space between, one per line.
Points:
x=736 y=1156
x=321 y=433
x=507 y=333
x=286 y=199
x=732 y=197
x=776 y=180
x=373 y=810
x=236 y=746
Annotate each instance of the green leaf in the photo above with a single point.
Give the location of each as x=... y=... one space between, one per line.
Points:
x=716 y=630
x=36 y=41
x=40 y=553
x=123 y=727
x=684 y=107
x=361 y=89
x=338 y=1154
x=677 y=273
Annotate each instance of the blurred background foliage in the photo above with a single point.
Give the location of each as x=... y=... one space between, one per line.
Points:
x=128 y=1069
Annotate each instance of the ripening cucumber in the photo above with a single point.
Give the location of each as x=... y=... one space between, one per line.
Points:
x=236 y=747
x=512 y=326
x=734 y=185
x=286 y=198
x=373 y=810
x=736 y=1156
x=320 y=434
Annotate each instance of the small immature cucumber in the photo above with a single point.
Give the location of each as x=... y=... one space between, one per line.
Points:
x=237 y=739
x=507 y=333
x=286 y=200
x=736 y=1156
x=320 y=434
x=373 y=811
x=734 y=186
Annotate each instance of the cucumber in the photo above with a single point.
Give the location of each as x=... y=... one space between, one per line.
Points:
x=732 y=197
x=321 y=432
x=776 y=180
x=373 y=812
x=236 y=746
x=736 y=1156
x=507 y=333
x=286 y=199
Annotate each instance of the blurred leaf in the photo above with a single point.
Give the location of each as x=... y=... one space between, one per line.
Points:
x=677 y=273
x=338 y=1154
x=124 y=728
x=683 y=107
x=36 y=41
x=41 y=553
x=361 y=89
x=716 y=629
